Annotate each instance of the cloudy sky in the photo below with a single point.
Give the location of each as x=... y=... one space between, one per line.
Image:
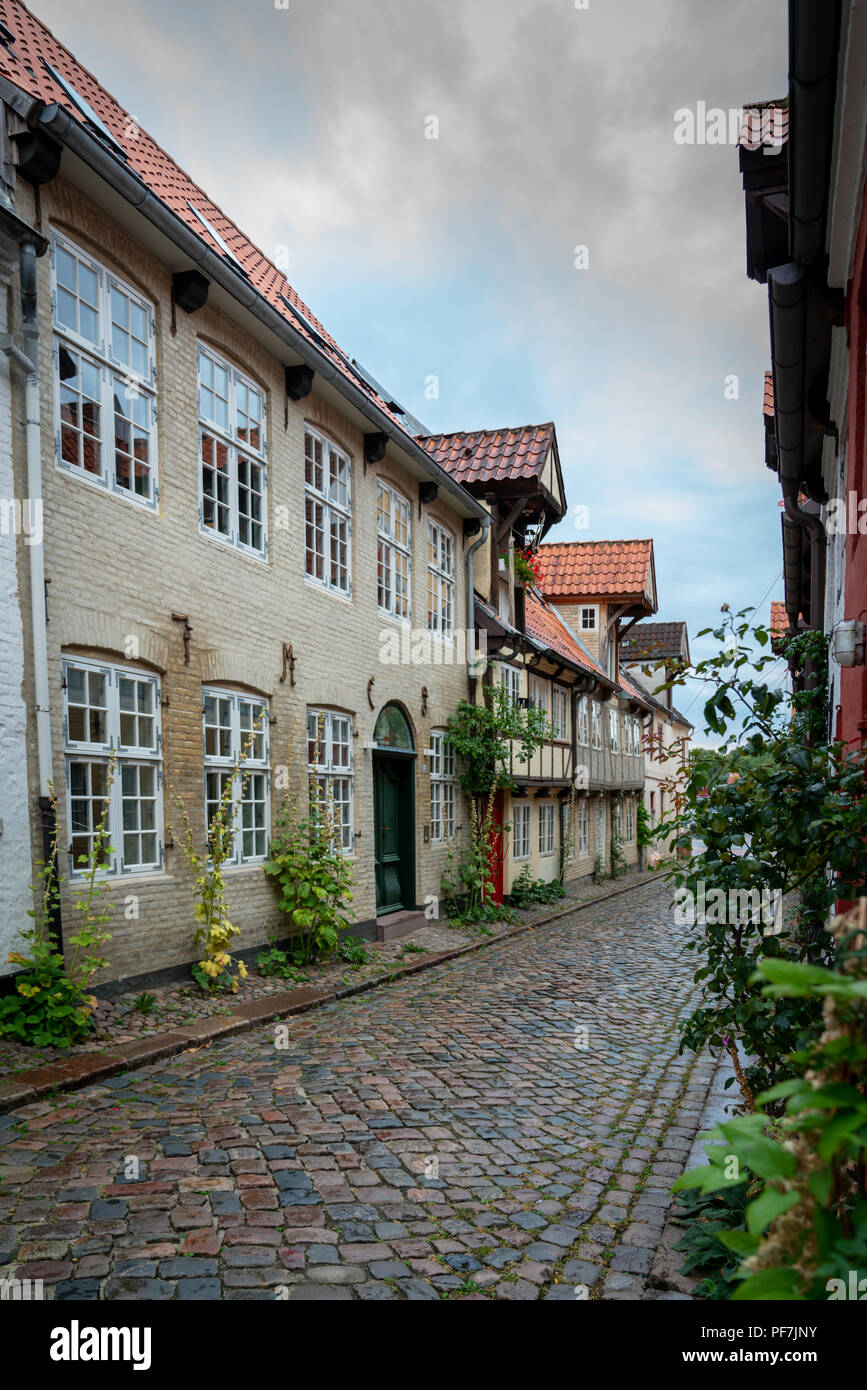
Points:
x=455 y=257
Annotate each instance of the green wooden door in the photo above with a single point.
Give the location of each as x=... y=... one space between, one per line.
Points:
x=387 y=776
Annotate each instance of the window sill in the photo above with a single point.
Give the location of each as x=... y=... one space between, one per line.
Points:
x=107 y=488
x=226 y=543
x=321 y=588
x=147 y=875
x=402 y=623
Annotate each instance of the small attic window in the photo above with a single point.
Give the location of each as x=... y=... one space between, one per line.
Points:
x=84 y=107
x=212 y=231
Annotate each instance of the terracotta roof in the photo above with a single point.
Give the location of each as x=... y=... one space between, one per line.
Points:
x=544 y=624
x=768 y=402
x=585 y=569
x=628 y=688
x=652 y=642
x=764 y=123
x=486 y=456
x=779 y=620
x=23 y=63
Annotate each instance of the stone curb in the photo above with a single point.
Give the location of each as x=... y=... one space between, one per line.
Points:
x=665 y=1273
x=72 y=1073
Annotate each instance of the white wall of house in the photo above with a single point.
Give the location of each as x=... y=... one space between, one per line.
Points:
x=15 y=896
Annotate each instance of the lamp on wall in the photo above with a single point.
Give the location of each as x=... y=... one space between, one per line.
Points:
x=848 y=643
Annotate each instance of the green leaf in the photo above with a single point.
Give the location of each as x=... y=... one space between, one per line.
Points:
x=769 y=1205
x=770 y=1284
x=741 y=1242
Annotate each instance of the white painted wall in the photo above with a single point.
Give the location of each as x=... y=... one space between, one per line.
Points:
x=15 y=865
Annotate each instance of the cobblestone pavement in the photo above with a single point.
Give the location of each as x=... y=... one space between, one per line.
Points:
x=448 y=1136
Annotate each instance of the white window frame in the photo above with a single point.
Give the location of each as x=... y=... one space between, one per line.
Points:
x=560 y=713
x=537 y=690
x=629 y=822
x=334 y=500
x=393 y=520
x=601 y=830
x=582 y=829
x=590 y=610
x=443 y=787
x=330 y=732
x=584 y=720
x=138 y=386
x=547 y=837
x=511 y=681
x=522 y=827
x=251 y=770
x=614 y=728
x=89 y=752
x=596 y=724
x=238 y=453
x=440 y=581
x=617 y=819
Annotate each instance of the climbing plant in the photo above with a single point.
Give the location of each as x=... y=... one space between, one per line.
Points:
x=779 y=811
x=485 y=737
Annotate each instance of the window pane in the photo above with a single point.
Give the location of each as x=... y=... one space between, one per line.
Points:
x=80 y=410
x=216 y=515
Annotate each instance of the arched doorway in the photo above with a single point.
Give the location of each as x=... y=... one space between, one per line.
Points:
x=394 y=811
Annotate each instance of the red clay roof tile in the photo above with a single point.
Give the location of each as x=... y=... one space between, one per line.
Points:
x=22 y=63
x=764 y=123
x=653 y=642
x=486 y=456
x=585 y=569
x=779 y=620
x=768 y=402
x=544 y=624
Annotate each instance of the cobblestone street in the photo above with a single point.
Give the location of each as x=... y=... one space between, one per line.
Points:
x=448 y=1136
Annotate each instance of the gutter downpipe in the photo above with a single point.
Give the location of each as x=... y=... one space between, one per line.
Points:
x=58 y=122
x=787 y=299
x=471 y=580
x=473 y=663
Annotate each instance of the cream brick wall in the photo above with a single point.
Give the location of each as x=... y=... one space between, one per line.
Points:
x=117 y=570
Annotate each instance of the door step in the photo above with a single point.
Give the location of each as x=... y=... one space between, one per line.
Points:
x=395 y=924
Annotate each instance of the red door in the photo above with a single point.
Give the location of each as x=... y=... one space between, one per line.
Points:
x=497 y=841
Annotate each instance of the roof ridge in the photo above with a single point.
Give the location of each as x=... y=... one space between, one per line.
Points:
x=494 y=429
x=164 y=153
x=625 y=540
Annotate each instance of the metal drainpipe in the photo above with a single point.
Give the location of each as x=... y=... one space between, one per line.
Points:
x=816 y=530
x=27 y=362
x=471 y=584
